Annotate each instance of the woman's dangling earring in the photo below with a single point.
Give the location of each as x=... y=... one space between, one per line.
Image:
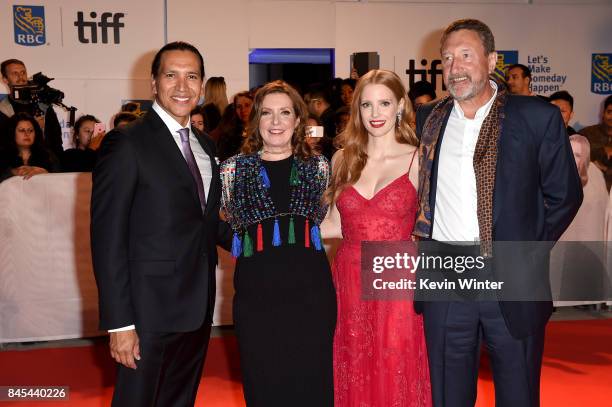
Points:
x=399 y=118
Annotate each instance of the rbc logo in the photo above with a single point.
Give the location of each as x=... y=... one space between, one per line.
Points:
x=504 y=59
x=601 y=74
x=29 y=22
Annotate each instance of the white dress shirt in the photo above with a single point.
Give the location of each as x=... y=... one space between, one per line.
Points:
x=455 y=216
x=202 y=160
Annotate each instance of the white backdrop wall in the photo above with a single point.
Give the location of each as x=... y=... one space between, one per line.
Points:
x=97 y=77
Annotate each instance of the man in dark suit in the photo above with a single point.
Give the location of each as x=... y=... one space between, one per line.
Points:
x=494 y=167
x=154 y=230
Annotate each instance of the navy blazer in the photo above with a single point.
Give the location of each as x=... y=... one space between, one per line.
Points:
x=154 y=251
x=537 y=189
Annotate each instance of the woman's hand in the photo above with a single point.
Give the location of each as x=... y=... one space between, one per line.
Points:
x=331 y=227
x=28 y=171
x=96 y=141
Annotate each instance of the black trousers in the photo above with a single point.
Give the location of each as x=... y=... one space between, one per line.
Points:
x=454 y=332
x=168 y=373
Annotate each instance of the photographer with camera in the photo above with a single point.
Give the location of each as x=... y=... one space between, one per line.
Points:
x=32 y=97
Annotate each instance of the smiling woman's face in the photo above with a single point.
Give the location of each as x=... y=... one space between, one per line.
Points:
x=278 y=121
x=378 y=108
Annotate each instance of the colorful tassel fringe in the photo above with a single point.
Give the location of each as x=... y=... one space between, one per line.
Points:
x=315 y=235
x=291 y=237
x=247 y=245
x=259 y=237
x=276 y=239
x=236 y=246
x=306 y=234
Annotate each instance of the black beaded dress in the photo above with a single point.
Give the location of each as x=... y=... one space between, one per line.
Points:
x=284 y=308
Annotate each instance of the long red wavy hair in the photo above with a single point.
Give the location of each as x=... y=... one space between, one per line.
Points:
x=354 y=139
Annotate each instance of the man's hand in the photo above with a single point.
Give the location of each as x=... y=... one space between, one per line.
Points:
x=124 y=347
x=27 y=171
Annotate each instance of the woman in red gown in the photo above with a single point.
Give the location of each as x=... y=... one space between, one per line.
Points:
x=380 y=358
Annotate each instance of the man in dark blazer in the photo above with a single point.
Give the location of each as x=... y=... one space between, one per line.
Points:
x=154 y=230
x=493 y=167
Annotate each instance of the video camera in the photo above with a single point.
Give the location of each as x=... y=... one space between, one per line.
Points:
x=38 y=91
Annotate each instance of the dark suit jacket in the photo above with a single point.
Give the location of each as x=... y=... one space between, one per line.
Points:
x=537 y=189
x=153 y=249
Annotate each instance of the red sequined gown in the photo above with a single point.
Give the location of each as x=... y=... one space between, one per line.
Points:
x=380 y=358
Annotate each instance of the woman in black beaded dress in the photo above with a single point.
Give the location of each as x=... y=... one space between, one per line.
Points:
x=285 y=305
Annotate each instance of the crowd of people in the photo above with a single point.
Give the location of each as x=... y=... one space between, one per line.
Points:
x=391 y=165
x=31 y=136
x=226 y=123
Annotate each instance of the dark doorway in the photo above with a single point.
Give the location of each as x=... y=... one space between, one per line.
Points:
x=299 y=67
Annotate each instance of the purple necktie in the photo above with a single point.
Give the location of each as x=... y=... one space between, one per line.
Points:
x=193 y=167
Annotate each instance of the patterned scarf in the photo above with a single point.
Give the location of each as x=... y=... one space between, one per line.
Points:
x=485 y=162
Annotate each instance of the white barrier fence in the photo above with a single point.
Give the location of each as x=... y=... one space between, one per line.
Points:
x=47 y=286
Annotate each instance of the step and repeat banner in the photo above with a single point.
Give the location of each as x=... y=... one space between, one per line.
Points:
x=99 y=52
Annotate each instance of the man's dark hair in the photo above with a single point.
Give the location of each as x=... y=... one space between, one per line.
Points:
x=608 y=102
x=127 y=117
x=320 y=91
x=421 y=88
x=483 y=31
x=562 y=95
x=7 y=63
x=526 y=71
x=350 y=82
x=343 y=111
x=131 y=107
x=176 y=46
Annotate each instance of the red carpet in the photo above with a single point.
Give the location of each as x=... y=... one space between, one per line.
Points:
x=577 y=370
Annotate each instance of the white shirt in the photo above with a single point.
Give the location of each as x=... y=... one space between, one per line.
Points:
x=202 y=160
x=455 y=216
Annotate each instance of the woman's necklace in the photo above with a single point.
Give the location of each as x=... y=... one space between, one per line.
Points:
x=276 y=152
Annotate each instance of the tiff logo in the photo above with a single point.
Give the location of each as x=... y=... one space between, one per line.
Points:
x=415 y=74
x=104 y=25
